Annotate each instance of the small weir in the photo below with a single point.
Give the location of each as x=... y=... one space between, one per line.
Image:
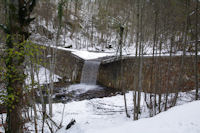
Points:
x=90 y=72
x=87 y=89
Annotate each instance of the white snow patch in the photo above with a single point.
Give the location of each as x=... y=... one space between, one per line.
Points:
x=91 y=55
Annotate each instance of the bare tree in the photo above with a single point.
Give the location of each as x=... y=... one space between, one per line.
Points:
x=196 y=51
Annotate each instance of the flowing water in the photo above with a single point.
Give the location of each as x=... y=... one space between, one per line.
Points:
x=90 y=72
x=87 y=88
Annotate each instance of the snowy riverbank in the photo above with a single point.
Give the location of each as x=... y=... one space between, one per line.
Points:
x=106 y=115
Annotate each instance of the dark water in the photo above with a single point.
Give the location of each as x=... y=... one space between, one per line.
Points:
x=80 y=92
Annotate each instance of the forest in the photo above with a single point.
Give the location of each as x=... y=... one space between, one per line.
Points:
x=85 y=66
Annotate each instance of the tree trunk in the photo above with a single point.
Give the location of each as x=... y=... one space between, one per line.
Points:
x=17 y=22
x=169 y=72
x=182 y=72
x=135 y=94
x=196 y=53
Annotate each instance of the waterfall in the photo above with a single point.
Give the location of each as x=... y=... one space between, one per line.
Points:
x=89 y=72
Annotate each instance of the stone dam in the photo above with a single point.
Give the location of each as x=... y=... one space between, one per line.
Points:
x=160 y=73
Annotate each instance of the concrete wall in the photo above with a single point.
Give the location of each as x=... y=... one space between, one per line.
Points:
x=158 y=77
x=67 y=65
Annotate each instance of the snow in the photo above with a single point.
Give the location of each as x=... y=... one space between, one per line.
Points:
x=107 y=115
x=180 y=119
x=91 y=55
x=86 y=55
x=89 y=115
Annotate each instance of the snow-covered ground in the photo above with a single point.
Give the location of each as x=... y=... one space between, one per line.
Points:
x=107 y=115
x=180 y=119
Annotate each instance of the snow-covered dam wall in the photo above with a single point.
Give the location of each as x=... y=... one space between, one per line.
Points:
x=161 y=74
